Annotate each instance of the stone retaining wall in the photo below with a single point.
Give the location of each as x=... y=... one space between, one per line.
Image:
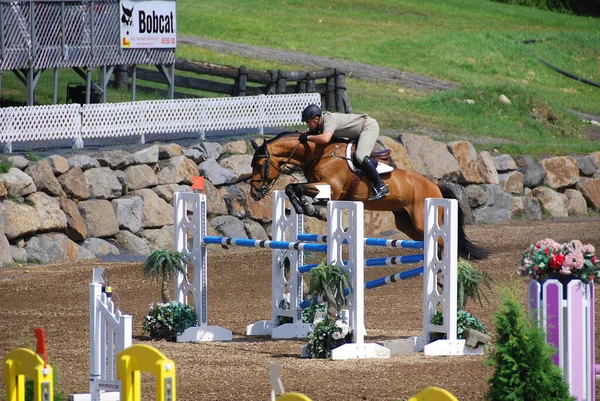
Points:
x=90 y=205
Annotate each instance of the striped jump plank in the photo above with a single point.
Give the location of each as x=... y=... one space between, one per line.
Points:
x=388 y=243
x=378 y=282
x=389 y=261
x=251 y=243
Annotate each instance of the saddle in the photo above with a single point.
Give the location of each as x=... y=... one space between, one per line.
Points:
x=377 y=157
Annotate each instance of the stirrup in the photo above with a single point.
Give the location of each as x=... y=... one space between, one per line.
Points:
x=380 y=192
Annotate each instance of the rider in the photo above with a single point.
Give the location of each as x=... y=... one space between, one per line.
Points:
x=354 y=126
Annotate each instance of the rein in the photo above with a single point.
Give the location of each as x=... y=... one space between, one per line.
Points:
x=265 y=188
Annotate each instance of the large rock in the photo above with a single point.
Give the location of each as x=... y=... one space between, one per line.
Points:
x=463 y=200
x=103 y=183
x=17 y=183
x=214 y=173
x=551 y=202
x=209 y=150
x=533 y=172
x=255 y=230
x=129 y=211
x=229 y=226
x=74 y=184
x=487 y=169
x=466 y=156
x=52 y=218
x=84 y=162
x=215 y=203
x=588 y=164
x=76 y=228
x=497 y=208
x=159 y=237
x=59 y=164
x=262 y=210
x=169 y=150
x=19 y=220
x=561 y=172
x=240 y=165
x=131 y=243
x=431 y=158
x=576 y=204
x=590 y=189
x=146 y=156
x=43 y=177
x=236 y=147
x=177 y=170
x=235 y=199
x=115 y=159
x=511 y=182
x=398 y=152
x=100 y=247
x=504 y=163
x=100 y=219
x=156 y=212
x=525 y=207
x=55 y=247
x=140 y=176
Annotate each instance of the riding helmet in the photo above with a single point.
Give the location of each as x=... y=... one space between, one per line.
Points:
x=311 y=111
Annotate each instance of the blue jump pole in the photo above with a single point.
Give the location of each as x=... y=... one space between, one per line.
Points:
x=378 y=282
x=390 y=261
x=251 y=243
x=389 y=243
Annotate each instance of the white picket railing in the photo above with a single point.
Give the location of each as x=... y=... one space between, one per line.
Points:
x=106 y=120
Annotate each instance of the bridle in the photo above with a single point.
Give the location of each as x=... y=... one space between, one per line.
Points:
x=265 y=186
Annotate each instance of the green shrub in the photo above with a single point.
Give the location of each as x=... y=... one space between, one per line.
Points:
x=326 y=336
x=469 y=281
x=523 y=368
x=168 y=320
x=464 y=320
x=5 y=165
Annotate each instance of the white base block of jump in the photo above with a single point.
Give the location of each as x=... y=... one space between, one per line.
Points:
x=107 y=396
x=360 y=351
x=451 y=348
x=208 y=333
x=287 y=330
x=260 y=328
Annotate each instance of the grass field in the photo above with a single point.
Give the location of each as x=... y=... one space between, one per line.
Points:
x=478 y=44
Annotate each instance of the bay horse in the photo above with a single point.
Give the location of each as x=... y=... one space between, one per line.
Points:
x=328 y=164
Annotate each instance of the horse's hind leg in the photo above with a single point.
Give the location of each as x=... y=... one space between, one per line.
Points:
x=405 y=223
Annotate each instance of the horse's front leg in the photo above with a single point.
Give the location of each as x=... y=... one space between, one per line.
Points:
x=302 y=196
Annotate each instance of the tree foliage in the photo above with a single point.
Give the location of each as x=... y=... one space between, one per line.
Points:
x=523 y=368
x=162 y=264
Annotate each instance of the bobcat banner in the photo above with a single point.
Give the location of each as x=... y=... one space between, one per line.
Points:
x=148 y=24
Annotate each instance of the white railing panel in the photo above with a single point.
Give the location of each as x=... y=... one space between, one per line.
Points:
x=31 y=123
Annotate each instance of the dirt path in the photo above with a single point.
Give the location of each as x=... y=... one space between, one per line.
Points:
x=55 y=297
x=358 y=70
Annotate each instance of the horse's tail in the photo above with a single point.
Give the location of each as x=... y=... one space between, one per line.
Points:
x=466 y=249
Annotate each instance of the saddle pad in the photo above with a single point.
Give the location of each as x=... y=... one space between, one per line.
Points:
x=381 y=168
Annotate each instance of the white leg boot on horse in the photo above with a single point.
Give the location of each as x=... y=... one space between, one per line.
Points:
x=379 y=188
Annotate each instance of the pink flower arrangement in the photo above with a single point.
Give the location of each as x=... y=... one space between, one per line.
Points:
x=547 y=256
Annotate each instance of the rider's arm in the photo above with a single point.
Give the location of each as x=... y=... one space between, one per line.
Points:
x=321 y=139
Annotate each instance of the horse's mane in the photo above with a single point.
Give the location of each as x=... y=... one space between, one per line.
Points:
x=282 y=135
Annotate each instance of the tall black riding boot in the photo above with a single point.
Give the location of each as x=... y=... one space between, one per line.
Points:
x=379 y=188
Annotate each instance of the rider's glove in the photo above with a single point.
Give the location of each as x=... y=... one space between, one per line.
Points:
x=303 y=138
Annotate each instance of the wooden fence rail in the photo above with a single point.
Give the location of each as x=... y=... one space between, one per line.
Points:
x=330 y=83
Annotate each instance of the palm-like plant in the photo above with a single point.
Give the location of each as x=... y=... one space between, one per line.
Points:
x=469 y=282
x=329 y=282
x=162 y=264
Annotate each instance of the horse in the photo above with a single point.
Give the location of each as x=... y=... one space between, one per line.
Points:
x=328 y=165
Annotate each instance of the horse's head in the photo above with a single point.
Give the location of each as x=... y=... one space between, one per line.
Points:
x=264 y=171
x=267 y=159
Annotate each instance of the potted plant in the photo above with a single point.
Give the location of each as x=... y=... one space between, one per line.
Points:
x=167 y=319
x=329 y=283
x=469 y=284
x=549 y=259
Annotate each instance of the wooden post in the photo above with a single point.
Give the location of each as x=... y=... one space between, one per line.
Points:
x=240 y=84
x=330 y=92
x=271 y=87
x=301 y=83
x=281 y=81
x=310 y=82
x=340 y=89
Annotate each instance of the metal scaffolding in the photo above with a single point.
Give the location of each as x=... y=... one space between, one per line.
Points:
x=36 y=35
